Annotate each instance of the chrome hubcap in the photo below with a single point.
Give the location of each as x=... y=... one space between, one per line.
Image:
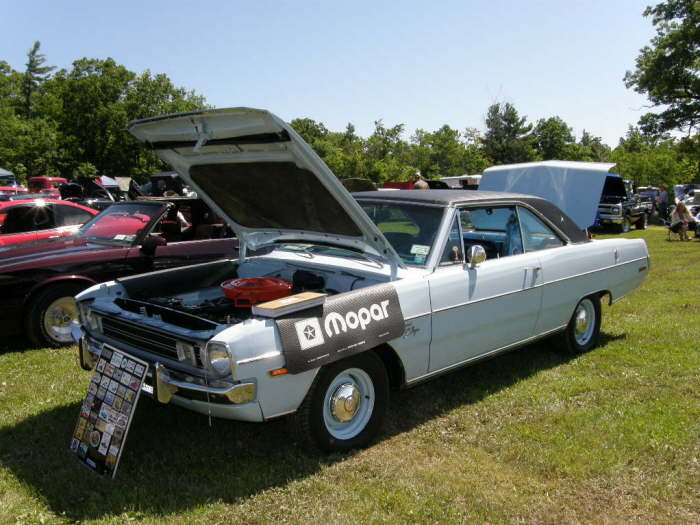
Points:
x=344 y=402
x=348 y=403
x=59 y=317
x=584 y=322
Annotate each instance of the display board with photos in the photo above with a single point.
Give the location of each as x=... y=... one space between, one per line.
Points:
x=107 y=410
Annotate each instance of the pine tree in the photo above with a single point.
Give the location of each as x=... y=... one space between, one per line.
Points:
x=34 y=75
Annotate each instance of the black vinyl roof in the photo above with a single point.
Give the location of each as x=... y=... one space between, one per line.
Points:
x=456 y=197
x=444 y=197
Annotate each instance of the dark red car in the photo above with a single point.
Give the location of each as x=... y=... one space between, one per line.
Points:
x=29 y=220
x=38 y=281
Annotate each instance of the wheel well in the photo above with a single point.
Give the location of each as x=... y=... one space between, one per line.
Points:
x=57 y=281
x=392 y=364
x=605 y=293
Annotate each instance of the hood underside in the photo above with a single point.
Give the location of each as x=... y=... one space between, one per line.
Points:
x=262 y=178
x=574 y=187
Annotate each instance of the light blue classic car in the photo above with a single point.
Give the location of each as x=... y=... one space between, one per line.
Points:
x=407 y=285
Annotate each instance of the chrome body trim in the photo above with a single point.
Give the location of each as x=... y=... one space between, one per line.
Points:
x=409 y=318
x=460 y=305
x=595 y=271
x=261 y=357
x=484 y=356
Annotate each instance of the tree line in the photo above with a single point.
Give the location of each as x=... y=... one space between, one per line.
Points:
x=72 y=122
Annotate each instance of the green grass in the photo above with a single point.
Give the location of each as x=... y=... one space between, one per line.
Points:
x=612 y=436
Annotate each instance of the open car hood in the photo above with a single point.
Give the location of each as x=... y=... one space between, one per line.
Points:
x=614 y=187
x=574 y=187
x=261 y=177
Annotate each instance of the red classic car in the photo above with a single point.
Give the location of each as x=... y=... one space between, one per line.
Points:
x=45 y=185
x=28 y=220
x=39 y=280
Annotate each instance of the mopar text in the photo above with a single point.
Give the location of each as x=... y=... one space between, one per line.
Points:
x=335 y=322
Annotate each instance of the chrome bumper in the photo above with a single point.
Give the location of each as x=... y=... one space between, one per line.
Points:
x=165 y=385
x=604 y=217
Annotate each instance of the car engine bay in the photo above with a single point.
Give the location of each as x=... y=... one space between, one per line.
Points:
x=206 y=299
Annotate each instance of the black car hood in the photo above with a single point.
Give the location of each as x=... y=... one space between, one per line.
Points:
x=49 y=252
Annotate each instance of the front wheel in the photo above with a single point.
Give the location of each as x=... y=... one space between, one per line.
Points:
x=344 y=408
x=583 y=331
x=51 y=315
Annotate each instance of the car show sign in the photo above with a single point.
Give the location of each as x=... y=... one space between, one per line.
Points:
x=107 y=410
x=346 y=324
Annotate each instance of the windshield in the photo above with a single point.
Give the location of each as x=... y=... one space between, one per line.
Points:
x=409 y=228
x=121 y=224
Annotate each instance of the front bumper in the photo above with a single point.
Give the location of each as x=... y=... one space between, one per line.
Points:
x=611 y=219
x=163 y=384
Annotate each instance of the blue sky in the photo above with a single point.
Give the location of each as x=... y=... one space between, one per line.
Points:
x=423 y=64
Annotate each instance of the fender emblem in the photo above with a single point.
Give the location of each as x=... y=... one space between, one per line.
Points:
x=410 y=330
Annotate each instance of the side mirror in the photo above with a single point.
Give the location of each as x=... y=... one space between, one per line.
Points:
x=476 y=255
x=150 y=243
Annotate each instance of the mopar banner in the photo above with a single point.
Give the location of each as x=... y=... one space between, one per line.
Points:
x=107 y=410
x=345 y=324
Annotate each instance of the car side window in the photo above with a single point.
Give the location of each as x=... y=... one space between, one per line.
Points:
x=496 y=229
x=70 y=216
x=536 y=234
x=28 y=219
x=452 y=254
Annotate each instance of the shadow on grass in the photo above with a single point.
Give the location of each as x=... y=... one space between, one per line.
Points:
x=15 y=344
x=412 y=407
x=174 y=460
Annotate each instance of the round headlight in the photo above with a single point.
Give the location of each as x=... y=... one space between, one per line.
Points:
x=89 y=318
x=219 y=358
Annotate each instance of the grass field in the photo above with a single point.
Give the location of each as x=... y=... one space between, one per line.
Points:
x=612 y=436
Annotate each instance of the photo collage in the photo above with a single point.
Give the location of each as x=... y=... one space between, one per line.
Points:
x=107 y=410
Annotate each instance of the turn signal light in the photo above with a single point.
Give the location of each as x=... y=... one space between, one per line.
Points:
x=278 y=372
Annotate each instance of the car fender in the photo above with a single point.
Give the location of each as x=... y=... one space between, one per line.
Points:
x=57 y=279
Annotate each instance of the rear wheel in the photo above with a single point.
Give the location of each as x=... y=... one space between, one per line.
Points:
x=51 y=315
x=583 y=331
x=344 y=408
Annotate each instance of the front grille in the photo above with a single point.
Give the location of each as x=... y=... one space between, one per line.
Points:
x=142 y=338
x=609 y=209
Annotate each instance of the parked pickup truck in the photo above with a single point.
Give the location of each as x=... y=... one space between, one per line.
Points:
x=619 y=208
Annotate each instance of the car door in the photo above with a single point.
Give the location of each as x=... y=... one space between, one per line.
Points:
x=477 y=311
